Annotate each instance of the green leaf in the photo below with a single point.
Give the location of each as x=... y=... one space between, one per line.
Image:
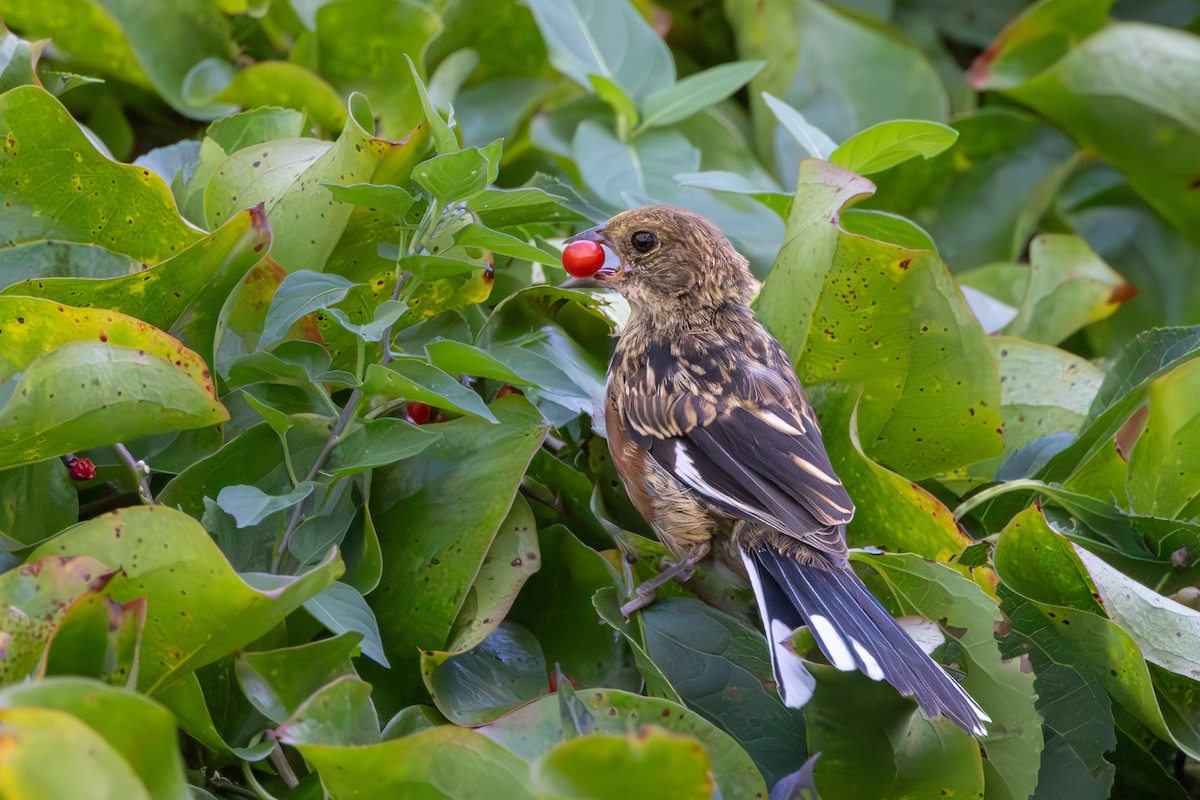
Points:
x=612 y=40
x=534 y=729
x=38 y=596
x=1035 y=39
x=1137 y=112
x=366 y=46
x=339 y=713
x=511 y=560
x=382 y=319
x=1145 y=359
x=816 y=142
x=652 y=764
x=1165 y=631
x=505 y=670
x=280 y=83
x=503 y=208
x=277 y=682
x=505 y=244
x=183 y=293
x=607 y=603
x=1086 y=641
x=892 y=511
x=722 y=669
x=1076 y=711
x=1008 y=162
x=43 y=739
x=394 y=200
x=413 y=378
x=873 y=743
x=341 y=608
x=215 y=615
x=556 y=605
x=287 y=177
x=136 y=728
x=444 y=140
x=442 y=762
x=124 y=210
x=250 y=505
x=612 y=94
x=1163 y=462
x=1044 y=390
x=735 y=183
x=677 y=102
x=842 y=71
x=17 y=60
x=886 y=144
x=186 y=699
x=377 y=443
x=1001 y=687
x=149 y=47
x=1068 y=288
x=465 y=359
x=86 y=394
x=301 y=293
x=454 y=177
x=437 y=514
x=36 y=500
x=644 y=169
x=832 y=297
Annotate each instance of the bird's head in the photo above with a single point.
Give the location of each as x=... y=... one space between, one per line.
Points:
x=665 y=260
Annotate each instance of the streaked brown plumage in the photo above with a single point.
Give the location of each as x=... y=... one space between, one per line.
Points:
x=720 y=451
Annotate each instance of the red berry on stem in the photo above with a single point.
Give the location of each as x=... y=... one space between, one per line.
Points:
x=80 y=469
x=418 y=413
x=583 y=258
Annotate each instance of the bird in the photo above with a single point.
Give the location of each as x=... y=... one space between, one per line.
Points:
x=719 y=449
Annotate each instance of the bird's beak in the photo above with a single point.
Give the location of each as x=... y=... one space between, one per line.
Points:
x=612 y=264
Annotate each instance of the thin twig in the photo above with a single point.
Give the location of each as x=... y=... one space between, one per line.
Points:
x=386 y=339
x=322 y=457
x=141 y=472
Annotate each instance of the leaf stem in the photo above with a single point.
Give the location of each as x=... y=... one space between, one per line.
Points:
x=286 y=774
x=386 y=338
x=262 y=793
x=978 y=499
x=139 y=470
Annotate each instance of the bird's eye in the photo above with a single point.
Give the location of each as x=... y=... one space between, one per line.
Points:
x=644 y=241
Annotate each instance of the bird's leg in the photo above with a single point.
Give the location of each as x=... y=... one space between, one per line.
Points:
x=643 y=595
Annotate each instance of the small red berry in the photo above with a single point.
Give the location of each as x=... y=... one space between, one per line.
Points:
x=80 y=469
x=418 y=413
x=553 y=681
x=508 y=389
x=583 y=258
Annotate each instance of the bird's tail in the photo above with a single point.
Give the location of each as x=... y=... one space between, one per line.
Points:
x=854 y=631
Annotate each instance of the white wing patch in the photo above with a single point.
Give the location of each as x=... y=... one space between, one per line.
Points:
x=832 y=643
x=685 y=470
x=870 y=665
x=779 y=423
x=795 y=683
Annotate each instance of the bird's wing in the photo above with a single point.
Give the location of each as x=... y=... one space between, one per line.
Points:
x=751 y=447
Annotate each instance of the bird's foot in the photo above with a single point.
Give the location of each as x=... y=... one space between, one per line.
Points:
x=644 y=594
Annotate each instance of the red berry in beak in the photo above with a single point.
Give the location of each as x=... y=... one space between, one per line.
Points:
x=583 y=258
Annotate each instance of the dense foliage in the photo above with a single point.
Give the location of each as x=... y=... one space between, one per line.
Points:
x=289 y=576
